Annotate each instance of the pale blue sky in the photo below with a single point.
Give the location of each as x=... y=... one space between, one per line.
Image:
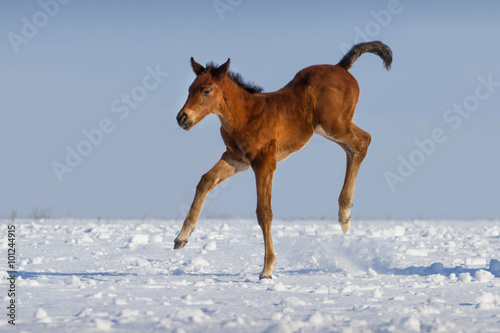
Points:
x=69 y=68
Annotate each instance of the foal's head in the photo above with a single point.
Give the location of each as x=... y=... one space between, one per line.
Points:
x=205 y=94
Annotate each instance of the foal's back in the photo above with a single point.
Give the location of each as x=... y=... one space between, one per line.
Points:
x=318 y=97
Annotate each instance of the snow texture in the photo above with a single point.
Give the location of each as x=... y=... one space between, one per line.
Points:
x=382 y=276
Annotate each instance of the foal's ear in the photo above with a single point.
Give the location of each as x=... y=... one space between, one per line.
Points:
x=197 y=68
x=222 y=70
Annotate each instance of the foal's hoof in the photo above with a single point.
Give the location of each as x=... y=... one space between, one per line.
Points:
x=345 y=225
x=265 y=276
x=179 y=244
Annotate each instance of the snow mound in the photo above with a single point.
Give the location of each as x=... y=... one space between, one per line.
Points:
x=137 y=240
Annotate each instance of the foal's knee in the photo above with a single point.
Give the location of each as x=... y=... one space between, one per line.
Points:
x=206 y=183
x=264 y=215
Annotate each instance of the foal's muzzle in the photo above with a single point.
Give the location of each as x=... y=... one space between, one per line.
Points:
x=183 y=121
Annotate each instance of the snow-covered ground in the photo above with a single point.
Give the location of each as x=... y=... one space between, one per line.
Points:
x=382 y=276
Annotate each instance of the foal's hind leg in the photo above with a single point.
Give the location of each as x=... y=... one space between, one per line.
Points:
x=355 y=142
x=224 y=169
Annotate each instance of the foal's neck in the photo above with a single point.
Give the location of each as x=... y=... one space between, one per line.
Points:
x=237 y=106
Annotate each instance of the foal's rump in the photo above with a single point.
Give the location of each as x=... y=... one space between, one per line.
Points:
x=335 y=91
x=324 y=95
x=332 y=91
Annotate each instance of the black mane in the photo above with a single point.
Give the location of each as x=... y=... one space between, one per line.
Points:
x=238 y=79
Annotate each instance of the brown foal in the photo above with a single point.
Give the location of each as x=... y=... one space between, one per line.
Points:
x=260 y=129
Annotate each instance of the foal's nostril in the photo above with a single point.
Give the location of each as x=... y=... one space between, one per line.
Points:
x=181 y=118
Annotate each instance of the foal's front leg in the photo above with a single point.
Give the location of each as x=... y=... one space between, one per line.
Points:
x=264 y=166
x=224 y=169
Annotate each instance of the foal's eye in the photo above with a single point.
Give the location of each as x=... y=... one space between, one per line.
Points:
x=207 y=92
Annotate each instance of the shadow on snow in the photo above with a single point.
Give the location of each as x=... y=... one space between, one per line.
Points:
x=438 y=268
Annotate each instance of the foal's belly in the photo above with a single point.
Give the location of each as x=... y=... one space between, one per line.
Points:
x=283 y=155
x=288 y=148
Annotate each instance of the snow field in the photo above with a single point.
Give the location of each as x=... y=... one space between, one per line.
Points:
x=382 y=276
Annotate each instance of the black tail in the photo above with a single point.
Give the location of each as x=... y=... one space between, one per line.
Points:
x=379 y=48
